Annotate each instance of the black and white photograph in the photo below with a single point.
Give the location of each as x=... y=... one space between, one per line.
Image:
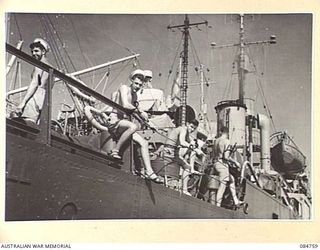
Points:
x=159 y=122
x=158 y=116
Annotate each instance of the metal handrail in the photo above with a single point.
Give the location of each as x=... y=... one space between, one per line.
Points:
x=72 y=81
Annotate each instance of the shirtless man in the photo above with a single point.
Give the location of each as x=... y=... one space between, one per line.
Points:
x=222 y=156
x=31 y=105
x=176 y=146
x=120 y=127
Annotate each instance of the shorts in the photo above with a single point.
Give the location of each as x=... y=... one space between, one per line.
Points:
x=223 y=171
x=33 y=108
x=113 y=124
x=171 y=155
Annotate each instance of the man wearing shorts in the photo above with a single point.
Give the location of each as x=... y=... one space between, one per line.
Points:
x=177 y=146
x=222 y=156
x=31 y=105
x=122 y=129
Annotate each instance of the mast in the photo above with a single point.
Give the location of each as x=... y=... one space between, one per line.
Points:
x=184 y=84
x=202 y=103
x=241 y=64
x=242 y=132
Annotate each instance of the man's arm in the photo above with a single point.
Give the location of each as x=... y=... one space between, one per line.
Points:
x=33 y=86
x=123 y=92
x=182 y=137
x=184 y=143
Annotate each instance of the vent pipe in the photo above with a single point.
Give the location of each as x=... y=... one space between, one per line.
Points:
x=264 y=125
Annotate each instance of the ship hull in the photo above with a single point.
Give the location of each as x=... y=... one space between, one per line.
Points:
x=66 y=181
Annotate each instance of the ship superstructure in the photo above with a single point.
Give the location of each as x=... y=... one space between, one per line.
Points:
x=63 y=171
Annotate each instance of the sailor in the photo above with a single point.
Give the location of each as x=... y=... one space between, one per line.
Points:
x=148 y=79
x=122 y=128
x=176 y=148
x=222 y=157
x=31 y=105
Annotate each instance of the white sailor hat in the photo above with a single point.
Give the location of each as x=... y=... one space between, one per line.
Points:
x=136 y=72
x=148 y=73
x=40 y=42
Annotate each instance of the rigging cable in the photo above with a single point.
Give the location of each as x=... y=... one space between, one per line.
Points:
x=143 y=22
x=104 y=75
x=228 y=88
x=117 y=76
x=115 y=41
x=197 y=57
x=78 y=41
x=60 y=40
x=55 y=53
x=264 y=99
x=106 y=81
x=174 y=60
x=59 y=60
x=18 y=27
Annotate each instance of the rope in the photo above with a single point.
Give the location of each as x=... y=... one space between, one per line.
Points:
x=264 y=99
x=105 y=83
x=104 y=75
x=60 y=40
x=18 y=27
x=115 y=41
x=58 y=57
x=144 y=22
x=78 y=41
x=55 y=51
x=174 y=60
x=194 y=49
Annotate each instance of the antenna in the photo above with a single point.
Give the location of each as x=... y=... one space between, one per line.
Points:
x=241 y=62
x=184 y=85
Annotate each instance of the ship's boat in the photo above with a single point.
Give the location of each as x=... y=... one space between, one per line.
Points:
x=285 y=155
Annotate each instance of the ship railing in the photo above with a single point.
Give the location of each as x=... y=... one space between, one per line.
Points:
x=45 y=118
x=247 y=165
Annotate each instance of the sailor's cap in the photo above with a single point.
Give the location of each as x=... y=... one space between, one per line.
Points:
x=148 y=73
x=40 y=42
x=136 y=72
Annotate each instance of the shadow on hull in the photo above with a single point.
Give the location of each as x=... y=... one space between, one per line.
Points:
x=66 y=180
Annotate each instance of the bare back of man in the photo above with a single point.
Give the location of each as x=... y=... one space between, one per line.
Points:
x=222 y=156
x=177 y=146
